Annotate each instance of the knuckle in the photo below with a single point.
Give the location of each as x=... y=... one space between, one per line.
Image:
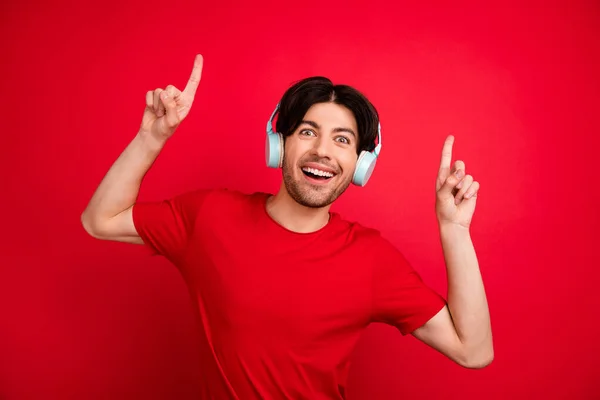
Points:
x=170 y=103
x=173 y=91
x=173 y=122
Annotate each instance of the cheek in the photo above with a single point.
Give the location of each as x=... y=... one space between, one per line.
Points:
x=293 y=151
x=348 y=162
x=290 y=155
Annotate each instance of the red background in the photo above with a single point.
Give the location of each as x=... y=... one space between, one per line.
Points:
x=517 y=85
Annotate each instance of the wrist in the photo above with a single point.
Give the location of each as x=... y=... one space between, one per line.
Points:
x=150 y=141
x=453 y=229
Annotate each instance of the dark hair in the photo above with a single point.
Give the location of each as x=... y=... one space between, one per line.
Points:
x=304 y=94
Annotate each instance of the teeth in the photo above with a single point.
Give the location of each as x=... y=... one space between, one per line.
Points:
x=318 y=172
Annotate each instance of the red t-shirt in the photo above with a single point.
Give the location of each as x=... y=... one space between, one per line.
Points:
x=280 y=311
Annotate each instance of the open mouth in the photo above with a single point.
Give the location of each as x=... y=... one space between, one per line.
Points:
x=317 y=175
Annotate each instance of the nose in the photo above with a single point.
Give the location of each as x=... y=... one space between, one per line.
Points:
x=322 y=147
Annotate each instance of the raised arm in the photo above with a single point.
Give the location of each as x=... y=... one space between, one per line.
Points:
x=462 y=330
x=109 y=214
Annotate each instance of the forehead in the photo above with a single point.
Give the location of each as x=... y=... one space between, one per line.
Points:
x=331 y=115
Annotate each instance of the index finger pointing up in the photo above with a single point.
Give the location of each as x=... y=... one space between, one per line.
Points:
x=194 y=81
x=446 y=160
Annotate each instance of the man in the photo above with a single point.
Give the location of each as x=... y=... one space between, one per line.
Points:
x=282 y=286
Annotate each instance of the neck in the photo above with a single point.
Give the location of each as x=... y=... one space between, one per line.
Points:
x=296 y=217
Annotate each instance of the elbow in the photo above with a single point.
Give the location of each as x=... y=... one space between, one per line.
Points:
x=478 y=360
x=89 y=225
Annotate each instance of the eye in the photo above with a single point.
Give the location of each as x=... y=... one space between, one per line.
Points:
x=343 y=139
x=307 y=132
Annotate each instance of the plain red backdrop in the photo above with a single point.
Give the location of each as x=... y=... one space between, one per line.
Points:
x=517 y=85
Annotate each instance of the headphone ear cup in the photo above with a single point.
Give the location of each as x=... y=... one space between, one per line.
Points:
x=364 y=168
x=280 y=141
x=274 y=150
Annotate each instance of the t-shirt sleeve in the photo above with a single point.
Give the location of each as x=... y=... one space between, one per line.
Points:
x=400 y=297
x=166 y=226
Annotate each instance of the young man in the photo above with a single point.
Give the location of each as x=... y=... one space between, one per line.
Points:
x=282 y=286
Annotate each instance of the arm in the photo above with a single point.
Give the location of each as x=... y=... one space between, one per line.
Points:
x=109 y=214
x=461 y=330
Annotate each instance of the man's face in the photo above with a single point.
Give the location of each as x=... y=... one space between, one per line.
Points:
x=320 y=156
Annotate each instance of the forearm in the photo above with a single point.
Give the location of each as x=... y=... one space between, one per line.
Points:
x=120 y=186
x=467 y=300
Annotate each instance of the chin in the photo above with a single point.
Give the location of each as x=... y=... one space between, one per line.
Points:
x=314 y=192
x=309 y=201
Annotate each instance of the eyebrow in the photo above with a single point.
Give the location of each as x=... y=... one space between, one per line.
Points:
x=316 y=126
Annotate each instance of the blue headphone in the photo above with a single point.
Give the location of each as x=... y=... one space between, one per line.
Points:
x=364 y=166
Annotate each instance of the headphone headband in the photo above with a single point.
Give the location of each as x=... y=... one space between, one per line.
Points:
x=377 y=148
x=270 y=121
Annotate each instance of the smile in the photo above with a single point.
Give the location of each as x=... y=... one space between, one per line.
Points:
x=317 y=176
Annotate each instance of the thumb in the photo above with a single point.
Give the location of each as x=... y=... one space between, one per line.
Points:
x=450 y=183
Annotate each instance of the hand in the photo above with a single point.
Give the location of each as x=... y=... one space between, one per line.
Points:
x=166 y=108
x=456 y=192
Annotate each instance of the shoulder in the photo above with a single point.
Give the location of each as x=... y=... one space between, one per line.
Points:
x=227 y=198
x=197 y=201
x=230 y=206
x=356 y=230
x=365 y=236
x=217 y=196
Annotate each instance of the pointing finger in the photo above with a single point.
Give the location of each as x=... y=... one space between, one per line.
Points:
x=194 y=81
x=446 y=158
